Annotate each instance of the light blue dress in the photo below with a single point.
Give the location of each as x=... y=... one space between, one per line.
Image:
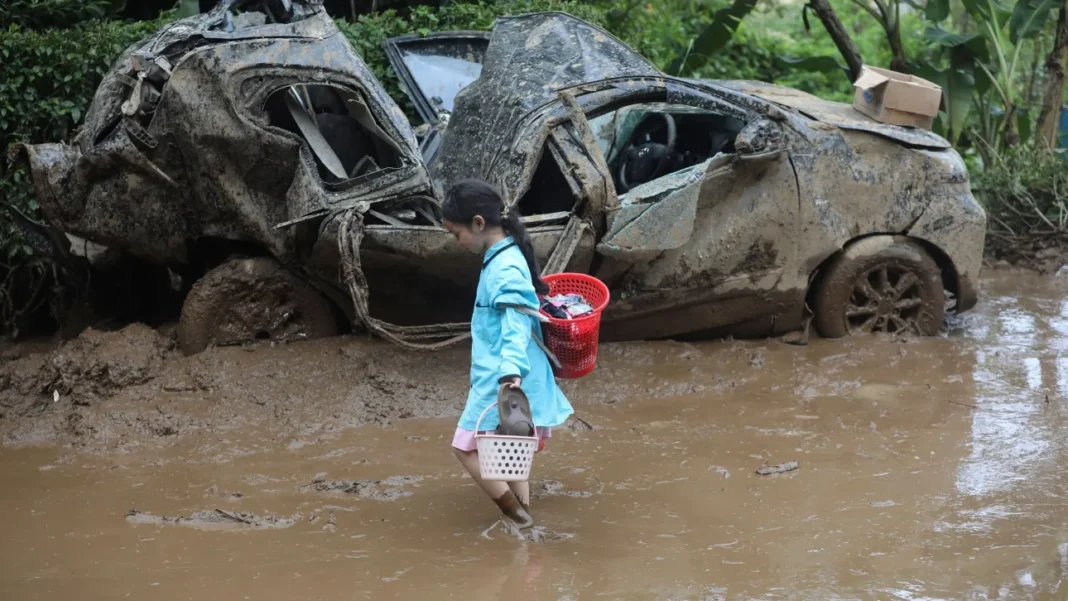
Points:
x=502 y=343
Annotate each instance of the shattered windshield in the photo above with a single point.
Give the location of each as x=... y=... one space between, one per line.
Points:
x=442 y=68
x=239 y=14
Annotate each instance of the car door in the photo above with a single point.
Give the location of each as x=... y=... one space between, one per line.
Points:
x=432 y=70
x=703 y=247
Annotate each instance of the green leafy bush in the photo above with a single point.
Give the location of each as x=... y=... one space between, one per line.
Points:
x=45 y=14
x=1025 y=191
x=47 y=79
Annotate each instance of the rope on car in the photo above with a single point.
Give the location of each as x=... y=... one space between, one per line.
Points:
x=350 y=236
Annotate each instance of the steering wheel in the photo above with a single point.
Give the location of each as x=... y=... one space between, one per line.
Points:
x=648 y=150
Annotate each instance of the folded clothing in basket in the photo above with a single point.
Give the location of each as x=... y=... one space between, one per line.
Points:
x=566 y=306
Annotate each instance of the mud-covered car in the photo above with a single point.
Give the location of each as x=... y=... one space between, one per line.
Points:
x=256 y=155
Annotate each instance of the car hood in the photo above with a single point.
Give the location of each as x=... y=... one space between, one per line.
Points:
x=529 y=59
x=833 y=113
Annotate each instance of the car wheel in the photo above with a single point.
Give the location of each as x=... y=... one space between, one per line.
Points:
x=880 y=284
x=252 y=299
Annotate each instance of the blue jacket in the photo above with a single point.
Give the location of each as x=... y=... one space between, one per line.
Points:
x=502 y=343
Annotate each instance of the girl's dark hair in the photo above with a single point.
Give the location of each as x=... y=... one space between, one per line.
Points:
x=468 y=198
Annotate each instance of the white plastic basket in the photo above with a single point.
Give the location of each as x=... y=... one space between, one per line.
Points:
x=504 y=458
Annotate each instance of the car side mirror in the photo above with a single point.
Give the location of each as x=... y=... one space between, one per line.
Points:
x=761 y=139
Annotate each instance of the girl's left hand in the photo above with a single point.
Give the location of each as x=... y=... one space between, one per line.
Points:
x=512 y=383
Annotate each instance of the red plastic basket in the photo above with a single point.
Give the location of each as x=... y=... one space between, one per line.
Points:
x=574 y=341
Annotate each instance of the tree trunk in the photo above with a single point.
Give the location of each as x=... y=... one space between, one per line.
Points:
x=893 y=36
x=825 y=12
x=1012 y=134
x=1053 y=97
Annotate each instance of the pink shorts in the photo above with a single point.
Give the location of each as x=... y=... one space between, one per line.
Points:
x=464 y=440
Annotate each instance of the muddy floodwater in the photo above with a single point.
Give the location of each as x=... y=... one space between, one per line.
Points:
x=927 y=469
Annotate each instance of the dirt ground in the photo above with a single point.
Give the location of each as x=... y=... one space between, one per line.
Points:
x=926 y=469
x=1043 y=254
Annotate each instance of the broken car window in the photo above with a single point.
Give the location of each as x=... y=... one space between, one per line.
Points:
x=241 y=14
x=643 y=142
x=442 y=69
x=338 y=128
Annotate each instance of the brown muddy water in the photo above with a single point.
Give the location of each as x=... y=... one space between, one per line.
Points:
x=928 y=469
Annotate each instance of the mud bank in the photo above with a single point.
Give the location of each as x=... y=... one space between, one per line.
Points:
x=928 y=469
x=108 y=391
x=1043 y=254
x=118 y=391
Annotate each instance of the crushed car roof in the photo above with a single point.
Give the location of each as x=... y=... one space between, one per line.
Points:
x=530 y=58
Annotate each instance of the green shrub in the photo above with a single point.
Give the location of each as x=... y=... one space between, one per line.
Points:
x=47 y=80
x=47 y=14
x=1025 y=191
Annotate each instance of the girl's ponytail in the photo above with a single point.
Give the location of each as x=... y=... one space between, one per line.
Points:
x=514 y=227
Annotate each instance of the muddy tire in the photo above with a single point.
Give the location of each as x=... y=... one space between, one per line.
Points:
x=252 y=299
x=880 y=284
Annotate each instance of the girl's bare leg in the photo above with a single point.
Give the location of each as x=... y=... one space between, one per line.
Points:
x=507 y=500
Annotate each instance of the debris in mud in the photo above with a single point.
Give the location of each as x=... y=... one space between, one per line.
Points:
x=213 y=491
x=782 y=468
x=256 y=479
x=94 y=365
x=722 y=471
x=217 y=518
x=159 y=424
x=552 y=486
x=577 y=424
x=556 y=488
x=389 y=489
x=756 y=358
x=539 y=534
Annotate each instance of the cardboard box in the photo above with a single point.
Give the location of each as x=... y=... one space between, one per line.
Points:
x=895 y=98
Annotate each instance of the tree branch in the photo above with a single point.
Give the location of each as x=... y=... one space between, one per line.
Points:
x=863 y=5
x=842 y=40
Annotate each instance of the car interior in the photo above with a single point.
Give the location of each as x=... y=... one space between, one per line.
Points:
x=337 y=125
x=646 y=141
x=640 y=142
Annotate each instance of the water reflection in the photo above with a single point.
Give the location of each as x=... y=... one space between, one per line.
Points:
x=1012 y=473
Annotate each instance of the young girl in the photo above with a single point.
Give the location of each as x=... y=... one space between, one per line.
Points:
x=503 y=350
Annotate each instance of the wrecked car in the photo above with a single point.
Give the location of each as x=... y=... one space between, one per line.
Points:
x=256 y=155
